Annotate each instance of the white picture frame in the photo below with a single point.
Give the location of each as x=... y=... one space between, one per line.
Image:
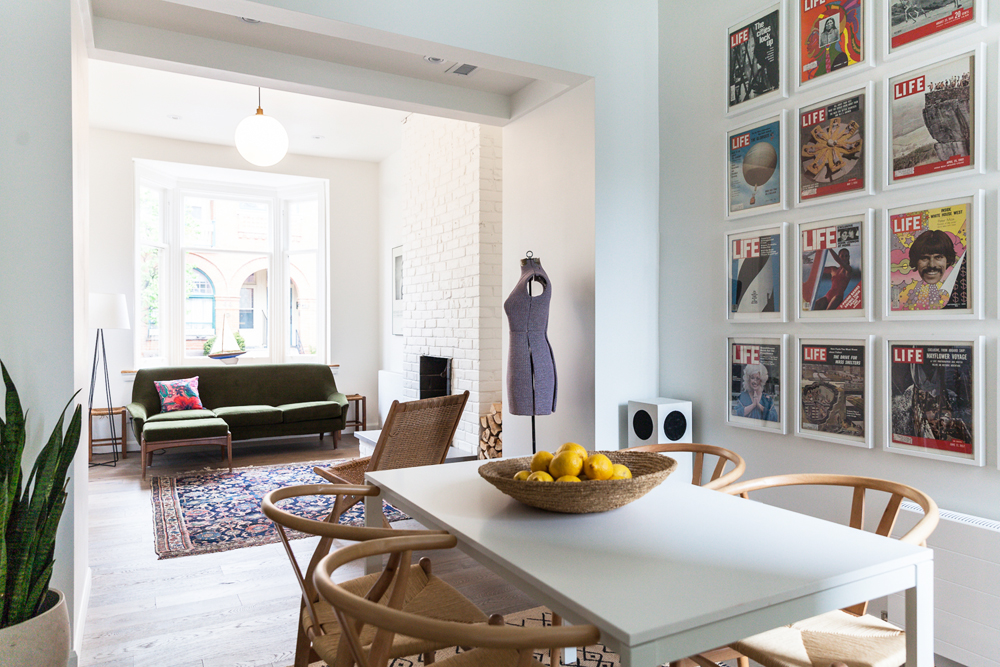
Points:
x=774 y=385
x=899 y=286
x=866 y=34
x=903 y=44
x=808 y=281
x=833 y=394
x=740 y=142
x=899 y=394
x=739 y=75
x=816 y=115
x=898 y=100
x=749 y=277
x=396 y=266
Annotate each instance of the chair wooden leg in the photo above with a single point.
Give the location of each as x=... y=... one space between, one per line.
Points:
x=743 y=661
x=144 y=453
x=557 y=653
x=303 y=647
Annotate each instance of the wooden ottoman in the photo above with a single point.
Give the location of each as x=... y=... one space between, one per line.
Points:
x=167 y=434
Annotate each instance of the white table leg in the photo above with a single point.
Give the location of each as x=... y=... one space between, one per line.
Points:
x=373 y=519
x=920 y=618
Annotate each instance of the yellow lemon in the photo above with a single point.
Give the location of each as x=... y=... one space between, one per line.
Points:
x=566 y=463
x=522 y=475
x=598 y=466
x=572 y=447
x=619 y=471
x=568 y=478
x=541 y=461
x=539 y=476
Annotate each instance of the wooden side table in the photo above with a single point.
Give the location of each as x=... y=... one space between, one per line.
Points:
x=122 y=435
x=360 y=412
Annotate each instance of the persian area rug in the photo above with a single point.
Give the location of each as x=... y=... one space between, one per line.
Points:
x=591 y=656
x=210 y=511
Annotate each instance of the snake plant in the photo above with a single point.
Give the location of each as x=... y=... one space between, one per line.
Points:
x=29 y=519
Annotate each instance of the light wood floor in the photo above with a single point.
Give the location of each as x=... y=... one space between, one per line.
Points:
x=233 y=609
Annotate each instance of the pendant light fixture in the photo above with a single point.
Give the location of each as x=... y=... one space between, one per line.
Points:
x=260 y=139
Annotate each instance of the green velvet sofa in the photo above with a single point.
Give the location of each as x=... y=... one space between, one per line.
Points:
x=254 y=401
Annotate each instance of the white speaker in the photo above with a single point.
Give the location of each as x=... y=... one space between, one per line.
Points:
x=658 y=420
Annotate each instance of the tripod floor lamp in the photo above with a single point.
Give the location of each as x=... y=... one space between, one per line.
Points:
x=107 y=311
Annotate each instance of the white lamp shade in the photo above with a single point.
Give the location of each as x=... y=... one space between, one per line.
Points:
x=261 y=140
x=108 y=311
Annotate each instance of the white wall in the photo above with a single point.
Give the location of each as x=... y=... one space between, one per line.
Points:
x=390 y=221
x=37 y=259
x=354 y=260
x=616 y=43
x=693 y=327
x=549 y=209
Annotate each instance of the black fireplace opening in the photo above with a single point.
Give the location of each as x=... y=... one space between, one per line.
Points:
x=435 y=377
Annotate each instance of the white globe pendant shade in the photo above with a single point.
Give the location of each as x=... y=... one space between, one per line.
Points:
x=261 y=140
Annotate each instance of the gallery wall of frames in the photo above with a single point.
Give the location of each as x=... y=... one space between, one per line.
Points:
x=805 y=129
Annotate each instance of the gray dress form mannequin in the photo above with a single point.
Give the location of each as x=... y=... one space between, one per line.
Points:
x=531 y=368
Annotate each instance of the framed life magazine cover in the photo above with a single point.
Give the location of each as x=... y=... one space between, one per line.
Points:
x=756 y=59
x=755 y=268
x=755 y=155
x=756 y=366
x=834 y=37
x=834 y=148
x=933 y=126
x=911 y=23
x=833 y=269
x=932 y=260
x=834 y=389
x=934 y=398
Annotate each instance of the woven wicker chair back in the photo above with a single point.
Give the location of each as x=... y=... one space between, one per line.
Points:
x=418 y=433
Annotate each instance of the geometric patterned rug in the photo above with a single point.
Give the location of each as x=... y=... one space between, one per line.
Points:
x=591 y=656
x=211 y=511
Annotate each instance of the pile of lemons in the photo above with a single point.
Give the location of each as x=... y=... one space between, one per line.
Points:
x=572 y=463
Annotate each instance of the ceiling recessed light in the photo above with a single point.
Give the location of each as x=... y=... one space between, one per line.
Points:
x=433 y=60
x=318 y=136
x=173 y=116
x=249 y=20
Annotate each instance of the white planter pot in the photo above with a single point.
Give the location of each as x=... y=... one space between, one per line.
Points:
x=42 y=641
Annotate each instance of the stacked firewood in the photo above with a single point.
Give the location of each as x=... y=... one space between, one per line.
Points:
x=491 y=433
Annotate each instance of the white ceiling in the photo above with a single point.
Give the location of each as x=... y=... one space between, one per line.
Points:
x=145 y=101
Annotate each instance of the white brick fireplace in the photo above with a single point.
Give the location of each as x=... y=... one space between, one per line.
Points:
x=452 y=178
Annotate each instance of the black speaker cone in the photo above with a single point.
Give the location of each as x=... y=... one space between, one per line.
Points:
x=642 y=425
x=675 y=425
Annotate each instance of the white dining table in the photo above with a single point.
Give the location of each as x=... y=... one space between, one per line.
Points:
x=679 y=571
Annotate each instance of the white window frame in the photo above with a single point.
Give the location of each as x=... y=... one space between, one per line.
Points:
x=173 y=253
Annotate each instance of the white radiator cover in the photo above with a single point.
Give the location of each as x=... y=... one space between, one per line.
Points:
x=966 y=586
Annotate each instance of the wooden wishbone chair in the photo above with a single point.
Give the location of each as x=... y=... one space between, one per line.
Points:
x=724 y=456
x=415 y=433
x=493 y=645
x=319 y=633
x=848 y=635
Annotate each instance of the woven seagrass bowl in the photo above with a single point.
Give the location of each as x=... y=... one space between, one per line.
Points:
x=586 y=497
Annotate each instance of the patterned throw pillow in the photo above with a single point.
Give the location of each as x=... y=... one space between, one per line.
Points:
x=179 y=395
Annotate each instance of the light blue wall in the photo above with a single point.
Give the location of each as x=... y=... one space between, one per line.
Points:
x=693 y=323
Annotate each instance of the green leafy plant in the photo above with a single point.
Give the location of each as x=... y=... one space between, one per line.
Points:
x=211 y=341
x=30 y=511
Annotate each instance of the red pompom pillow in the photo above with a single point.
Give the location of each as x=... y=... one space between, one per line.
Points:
x=179 y=394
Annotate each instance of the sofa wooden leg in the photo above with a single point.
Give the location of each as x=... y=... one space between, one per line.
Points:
x=336 y=439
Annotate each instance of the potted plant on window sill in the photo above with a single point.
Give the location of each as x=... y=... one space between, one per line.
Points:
x=34 y=621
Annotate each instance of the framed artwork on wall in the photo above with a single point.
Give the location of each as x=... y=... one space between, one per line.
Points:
x=834 y=148
x=397 y=291
x=933 y=120
x=754 y=266
x=833 y=269
x=911 y=22
x=756 y=59
x=755 y=155
x=756 y=366
x=934 y=398
x=834 y=38
x=834 y=389
x=932 y=260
